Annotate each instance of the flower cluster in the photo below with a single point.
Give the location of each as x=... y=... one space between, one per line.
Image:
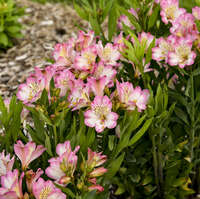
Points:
x=11 y=180
x=176 y=49
x=61 y=169
x=84 y=71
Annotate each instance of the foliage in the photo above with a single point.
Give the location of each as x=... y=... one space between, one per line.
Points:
x=10 y=28
x=129 y=98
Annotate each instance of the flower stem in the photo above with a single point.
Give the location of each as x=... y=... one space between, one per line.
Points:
x=55 y=135
x=155 y=164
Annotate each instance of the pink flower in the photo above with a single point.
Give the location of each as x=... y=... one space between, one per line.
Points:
x=6 y=163
x=95 y=159
x=86 y=60
x=184 y=26
x=196 y=12
x=11 y=186
x=146 y=38
x=124 y=91
x=79 y=96
x=47 y=190
x=63 y=54
x=118 y=41
x=97 y=172
x=170 y=10
x=45 y=74
x=31 y=178
x=97 y=85
x=182 y=54
x=100 y=115
x=96 y=187
x=85 y=40
x=123 y=19
x=108 y=54
x=62 y=168
x=132 y=98
x=139 y=99
x=164 y=46
x=102 y=70
x=27 y=153
x=31 y=90
x=64 y=80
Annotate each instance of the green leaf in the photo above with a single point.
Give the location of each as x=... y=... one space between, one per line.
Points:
x=111 y=142
x=141 y=132
x=153 y=17
x=112 y=22
x=48 y=145
x=107 y=8
x=13 y=29
x=3 y=39
x=114 y=166
x=95 y=25
x=80 y=11
x=66 y=190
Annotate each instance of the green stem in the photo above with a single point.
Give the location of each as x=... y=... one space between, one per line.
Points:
x=55 y=135
x=160 y=164
x=155 y=163
x=192 y=133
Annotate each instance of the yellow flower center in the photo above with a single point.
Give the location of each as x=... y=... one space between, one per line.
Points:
x=170 y=12
x=45 y=192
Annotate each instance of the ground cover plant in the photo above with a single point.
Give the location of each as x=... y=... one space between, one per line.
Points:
x=116 y=115
x=10 y=28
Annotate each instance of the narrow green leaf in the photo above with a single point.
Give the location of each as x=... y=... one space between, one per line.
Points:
x=141 y=132
x=153 y=17
x=112 y=22
x=114 y=166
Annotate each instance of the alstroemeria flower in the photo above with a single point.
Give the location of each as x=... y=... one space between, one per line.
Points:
x=139 y=99
x=79 y=96
x=162 y=49
x=97 y=187
x=109 y=54
x=184 y=26
x=132 y=97
x=123 y=19
x=31 y=90
x=64 y=54
x=85 y=40
x=97 y=172
x=64 y=80
x=124 y=91
x=102 y=70
x=62 y=168
x=11 y=186
x=86 y=60
x=97 y=85
x=170 y=10
x=100 y=116
x=6 y=163
x=182 y=54
x=95 y=159
x=27 y=153
x=31 y=178
x=196 y=12
x=146 y=38
x=46 y=190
